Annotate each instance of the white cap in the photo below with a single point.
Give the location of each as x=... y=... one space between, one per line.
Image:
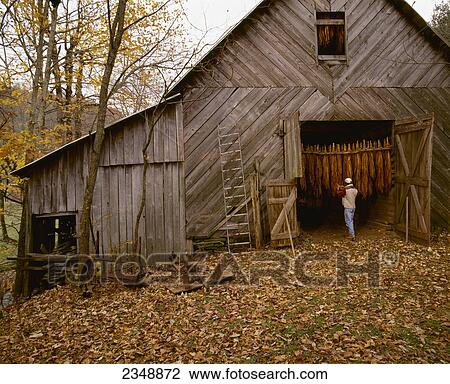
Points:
x=348 y=180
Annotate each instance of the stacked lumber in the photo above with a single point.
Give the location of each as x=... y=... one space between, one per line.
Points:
x=368 y=163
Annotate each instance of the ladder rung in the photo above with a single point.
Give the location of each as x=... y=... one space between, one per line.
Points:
x=232 y=178
x=243 y=243
x=236 y=187
x=231 y=169
x=235 y=224
x=235 y=228
x=237 y=214
x=234 y=197
x=232 y=207
x=223 y=144
x=229 y=152
x=229 y=192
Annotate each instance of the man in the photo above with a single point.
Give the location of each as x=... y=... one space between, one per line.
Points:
x=348 y=201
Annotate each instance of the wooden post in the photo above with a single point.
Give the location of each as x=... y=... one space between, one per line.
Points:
x=26 y=288
x=189 y=246
x=184 y=270
x=256 y=210
x=290 y=233
x=256 y=206
x=407 y=219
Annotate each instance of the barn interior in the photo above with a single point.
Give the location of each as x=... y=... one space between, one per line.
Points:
x=333 y=151
x=54 y=234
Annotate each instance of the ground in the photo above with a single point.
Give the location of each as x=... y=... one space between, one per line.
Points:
x=405 y=320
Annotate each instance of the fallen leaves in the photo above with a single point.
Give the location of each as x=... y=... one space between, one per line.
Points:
x=404 y=321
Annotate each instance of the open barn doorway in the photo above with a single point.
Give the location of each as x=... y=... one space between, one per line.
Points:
x=335 y=150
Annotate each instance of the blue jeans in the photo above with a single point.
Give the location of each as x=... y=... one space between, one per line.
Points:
x=349 y=213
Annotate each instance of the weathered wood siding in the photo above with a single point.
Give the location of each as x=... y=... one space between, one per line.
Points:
x=58 y=186
x=267 y=70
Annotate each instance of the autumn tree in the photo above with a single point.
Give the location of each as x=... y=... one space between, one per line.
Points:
x=156 y=62
x=54 y=51
x=116 y=27
x=440 y=20
x=17 y=145
x=57 y=50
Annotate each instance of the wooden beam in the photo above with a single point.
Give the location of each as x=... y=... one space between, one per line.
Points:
x=419 y=209
x=277 y=200
x=284 y=235
x=290 y=234
x=292 y=147
x=330 y=22
x=407 y=219
x=256 y=210
x=420 y=181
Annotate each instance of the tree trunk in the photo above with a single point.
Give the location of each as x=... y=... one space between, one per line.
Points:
x=58 y=87
x=48 y=66
x=115 y=40
x=21 y=281
x=5 y=236
x=78 y=100
x=42 y=9
x=68 y=74
x=149 y=127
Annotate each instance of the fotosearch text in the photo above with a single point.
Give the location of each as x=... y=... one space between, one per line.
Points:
x=284 y=270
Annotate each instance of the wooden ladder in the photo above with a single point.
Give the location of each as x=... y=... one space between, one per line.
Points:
x=237 y=225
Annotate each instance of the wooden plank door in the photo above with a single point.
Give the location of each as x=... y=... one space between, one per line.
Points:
x=281 y=202
x=293 y=166
x=413 y=145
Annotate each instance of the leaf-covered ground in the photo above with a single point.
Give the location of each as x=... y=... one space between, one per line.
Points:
x=404 y=321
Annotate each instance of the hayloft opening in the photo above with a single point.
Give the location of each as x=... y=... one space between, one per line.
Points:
x=335 y=150
x=331 y=40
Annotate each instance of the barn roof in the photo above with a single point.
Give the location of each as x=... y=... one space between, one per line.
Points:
x=435 y=39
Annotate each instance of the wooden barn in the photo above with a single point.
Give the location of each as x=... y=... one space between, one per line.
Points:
x=225 y=158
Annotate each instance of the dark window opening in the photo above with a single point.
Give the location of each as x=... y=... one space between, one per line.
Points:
x=331 y=35
x=54 y=234
x=341 y=132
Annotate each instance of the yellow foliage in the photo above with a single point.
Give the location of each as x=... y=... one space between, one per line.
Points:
x=18 y=148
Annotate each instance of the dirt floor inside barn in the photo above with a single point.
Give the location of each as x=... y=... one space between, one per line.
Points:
x=405 y=320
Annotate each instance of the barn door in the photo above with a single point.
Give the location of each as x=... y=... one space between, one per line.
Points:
x=281 y=203
x=413 y=142
x=293 y=166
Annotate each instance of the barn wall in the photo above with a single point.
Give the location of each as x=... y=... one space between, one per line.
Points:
x=58 y=186
x=267 y=69
x=263 y=72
